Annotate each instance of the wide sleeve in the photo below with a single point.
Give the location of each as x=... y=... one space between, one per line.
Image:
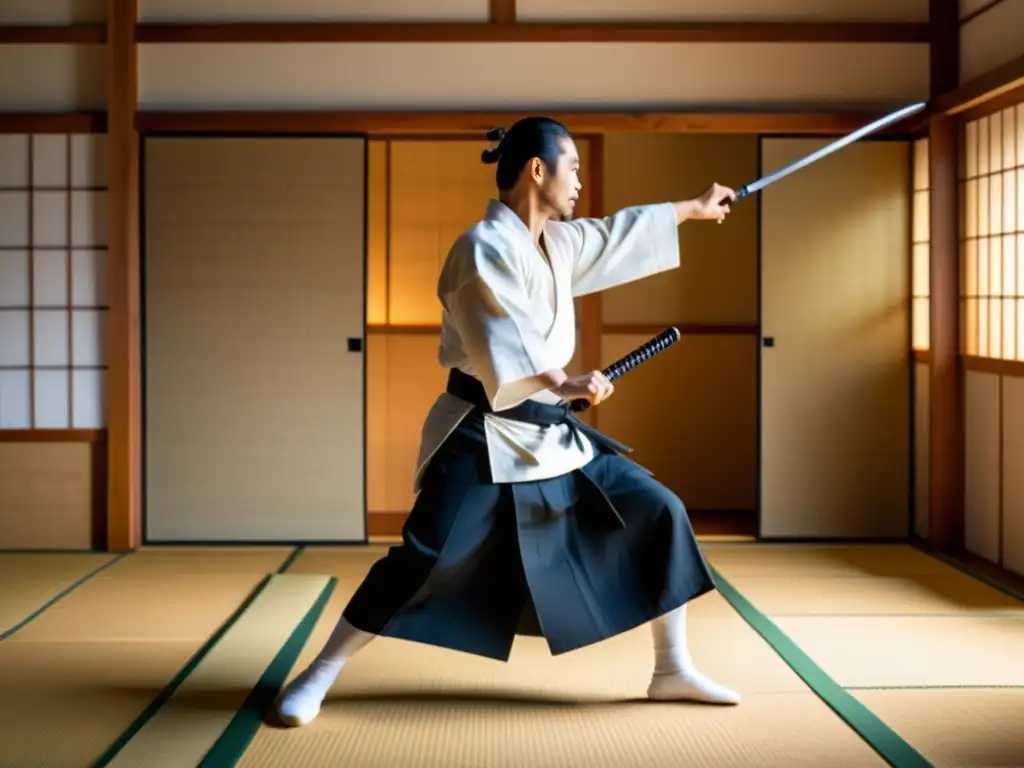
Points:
x=492 y=312
x=629 y=245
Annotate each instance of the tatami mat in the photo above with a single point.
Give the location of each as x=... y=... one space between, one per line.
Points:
x=398 y=703
x=28 y=581
x=896 y=651
x=952 y=593
x=957 y=728
x=196 y=715
x=736 y=561
x=157 y=594
x=872 y=617
x=76 y=677
x=795 y=580
x=490 y=729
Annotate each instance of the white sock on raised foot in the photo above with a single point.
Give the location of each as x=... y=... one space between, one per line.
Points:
x=675 y=677
x=300 y=701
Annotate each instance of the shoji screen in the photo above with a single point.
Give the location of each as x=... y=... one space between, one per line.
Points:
x=53 y=316
x=254 y=263
x=691 y=414
x=836 y=384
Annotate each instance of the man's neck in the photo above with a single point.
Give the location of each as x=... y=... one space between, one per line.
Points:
x=532 y=214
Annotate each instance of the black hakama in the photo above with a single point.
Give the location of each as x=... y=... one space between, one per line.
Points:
x=577 y=558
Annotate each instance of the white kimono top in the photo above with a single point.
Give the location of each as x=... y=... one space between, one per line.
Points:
x=509 y=316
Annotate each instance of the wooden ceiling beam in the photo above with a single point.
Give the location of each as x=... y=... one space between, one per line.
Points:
x=1008 y=77
x=504 y=31
x=77 y=34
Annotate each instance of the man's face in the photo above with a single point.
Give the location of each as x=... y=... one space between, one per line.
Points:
x=560 y=187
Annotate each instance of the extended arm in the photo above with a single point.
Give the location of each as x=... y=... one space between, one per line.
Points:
x=636 y=242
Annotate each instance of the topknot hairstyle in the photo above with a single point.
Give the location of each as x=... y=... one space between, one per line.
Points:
x=528 y=138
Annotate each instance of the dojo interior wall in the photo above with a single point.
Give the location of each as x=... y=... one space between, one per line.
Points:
x=69 y=78
x=992 y=343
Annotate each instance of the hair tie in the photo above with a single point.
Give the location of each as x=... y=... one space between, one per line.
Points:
x=492 y=155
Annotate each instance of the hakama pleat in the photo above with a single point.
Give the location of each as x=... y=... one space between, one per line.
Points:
x=577 y=558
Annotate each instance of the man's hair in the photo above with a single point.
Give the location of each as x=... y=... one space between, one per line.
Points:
x=528 y=138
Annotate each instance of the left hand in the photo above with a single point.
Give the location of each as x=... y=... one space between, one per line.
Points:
x=714 y=203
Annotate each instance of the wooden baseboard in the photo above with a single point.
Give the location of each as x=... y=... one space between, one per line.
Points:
x=705 y=523
x=984 y=570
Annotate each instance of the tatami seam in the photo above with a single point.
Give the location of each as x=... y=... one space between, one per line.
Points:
x=882 y=738
x=190 y=666
x=61 y=595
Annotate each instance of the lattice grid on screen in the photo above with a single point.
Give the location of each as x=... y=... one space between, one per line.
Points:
x=992 y=242
x=921 y=247
x=53 y=281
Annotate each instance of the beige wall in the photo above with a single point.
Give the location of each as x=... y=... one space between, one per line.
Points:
x=447 y=76
x=992 y=37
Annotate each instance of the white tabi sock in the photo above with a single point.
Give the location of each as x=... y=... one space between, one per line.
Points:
x=676 y=678
x=300 y=702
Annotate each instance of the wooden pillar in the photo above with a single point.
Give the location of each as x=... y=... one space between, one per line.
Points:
x=591 y=314
x=124 y=450
x=503 y=12
x=946 y=475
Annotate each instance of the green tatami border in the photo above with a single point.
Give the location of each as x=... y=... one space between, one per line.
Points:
x=60 y=595
x=883 y=739
x=176 y=682
x=242 y=729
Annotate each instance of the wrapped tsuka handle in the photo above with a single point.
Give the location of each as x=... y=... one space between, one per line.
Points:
x=641 y=354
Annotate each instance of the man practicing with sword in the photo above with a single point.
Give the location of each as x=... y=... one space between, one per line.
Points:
x=527 y=520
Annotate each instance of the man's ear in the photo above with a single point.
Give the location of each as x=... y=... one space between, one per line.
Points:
x=537 y=169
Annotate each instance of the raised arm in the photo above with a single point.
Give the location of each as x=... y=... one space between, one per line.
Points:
x=636 y=242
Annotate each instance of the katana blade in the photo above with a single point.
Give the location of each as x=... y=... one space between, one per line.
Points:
x=836 y=145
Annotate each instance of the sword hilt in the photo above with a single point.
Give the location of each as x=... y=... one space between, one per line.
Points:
x=740 y=194
x=641 y=354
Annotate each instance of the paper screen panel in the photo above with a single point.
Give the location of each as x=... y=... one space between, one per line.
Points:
x=253 y=282
x=405 y=380
x=377 y=233
x=690 y=416
x=717 y=279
